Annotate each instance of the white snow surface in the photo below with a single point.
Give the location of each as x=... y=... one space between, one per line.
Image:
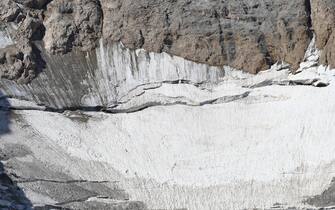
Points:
x=278 y=142
x=274 y=145
x=275 y=130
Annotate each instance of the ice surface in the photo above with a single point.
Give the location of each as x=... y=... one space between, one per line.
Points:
x=196 y=145
x=275 y=145
x=5 y=39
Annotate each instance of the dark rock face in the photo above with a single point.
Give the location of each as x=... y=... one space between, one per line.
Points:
x=323 y=17
x=248 y=35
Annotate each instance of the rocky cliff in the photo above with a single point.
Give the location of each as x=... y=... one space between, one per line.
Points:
x=250 y=35
x=246 y=35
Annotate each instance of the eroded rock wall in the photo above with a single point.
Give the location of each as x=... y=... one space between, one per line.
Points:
x=323 y=17
x=249 y=35
x=70 y=24
x=19 y=61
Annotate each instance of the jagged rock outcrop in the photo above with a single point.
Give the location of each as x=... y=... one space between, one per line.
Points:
x=74 y=23
x=16 y=63
x=19 y=61
x=323 y=17
x=64 y=25
x=249 y=35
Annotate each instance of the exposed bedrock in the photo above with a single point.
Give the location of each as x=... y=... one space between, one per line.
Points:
x=323 y=17
x=74 y=23
x=20 y=27
x=249 y=35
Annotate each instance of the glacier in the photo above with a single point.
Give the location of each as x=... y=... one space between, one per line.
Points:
x=171 y=133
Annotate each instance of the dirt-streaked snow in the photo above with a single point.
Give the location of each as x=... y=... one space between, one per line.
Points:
x=243 y=141
x=278 y=141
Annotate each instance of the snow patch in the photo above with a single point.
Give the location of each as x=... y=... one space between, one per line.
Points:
x=5 y=39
